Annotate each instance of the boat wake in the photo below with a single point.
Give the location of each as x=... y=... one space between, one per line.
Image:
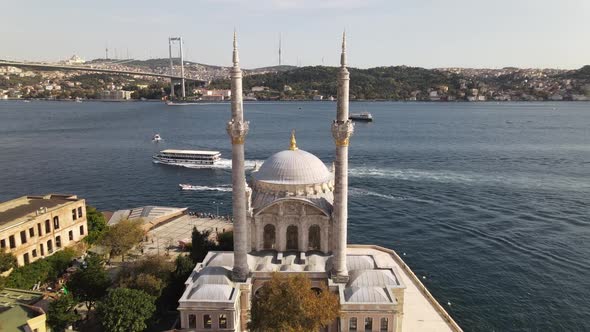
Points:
x=224 y=188
x=472 y=178
x=363 y=192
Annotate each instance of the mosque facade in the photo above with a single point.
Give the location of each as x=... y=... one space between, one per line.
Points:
x=291 y=217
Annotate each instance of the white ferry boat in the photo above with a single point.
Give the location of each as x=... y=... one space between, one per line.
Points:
x=364 y=116
x=157 y=138
x=186 y=157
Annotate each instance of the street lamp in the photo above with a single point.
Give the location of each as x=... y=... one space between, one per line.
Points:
x=217 y=204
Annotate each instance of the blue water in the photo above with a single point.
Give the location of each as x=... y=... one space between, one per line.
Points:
x=490 y=202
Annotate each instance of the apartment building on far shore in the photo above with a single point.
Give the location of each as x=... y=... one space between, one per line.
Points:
x=33 y=227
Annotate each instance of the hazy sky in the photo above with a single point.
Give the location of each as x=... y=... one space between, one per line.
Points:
x=425 y=33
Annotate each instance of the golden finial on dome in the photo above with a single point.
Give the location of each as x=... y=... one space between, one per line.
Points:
x=293 y=146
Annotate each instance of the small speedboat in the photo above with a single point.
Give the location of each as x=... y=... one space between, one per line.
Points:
x=364 y=116
x=157 y=138
x=187 y=187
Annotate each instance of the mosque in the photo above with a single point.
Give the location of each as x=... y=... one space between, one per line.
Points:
x=291 y=217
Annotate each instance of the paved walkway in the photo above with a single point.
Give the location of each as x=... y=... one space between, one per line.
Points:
x=165 y=238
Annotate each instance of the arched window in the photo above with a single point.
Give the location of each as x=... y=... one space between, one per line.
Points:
x=368 y=324
x=314 y=237
x=192 y=321
x=222 y=321
x=292 y=238
x=269 y=237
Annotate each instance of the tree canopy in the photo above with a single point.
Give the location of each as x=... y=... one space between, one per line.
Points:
x=126 y=310
x=7 y=261
x=150 y=275
x=97 y=225
x=61 y=313
x=288 y=303
x=123 y=236
x=43 y=270
x=89 y=284
x=200 y=245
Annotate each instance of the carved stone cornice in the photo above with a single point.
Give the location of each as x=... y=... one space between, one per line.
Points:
x=237 y=131
x=341 y=131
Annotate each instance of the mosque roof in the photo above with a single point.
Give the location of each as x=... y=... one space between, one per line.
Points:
x=293 y=167
x=366 y=295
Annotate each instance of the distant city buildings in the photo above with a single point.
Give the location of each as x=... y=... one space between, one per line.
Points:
x=33 y=227
x=116 y=94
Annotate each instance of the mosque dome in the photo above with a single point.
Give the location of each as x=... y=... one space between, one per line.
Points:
x=293 y=167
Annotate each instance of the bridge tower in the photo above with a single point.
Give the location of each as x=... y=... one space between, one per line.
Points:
x=170 y=41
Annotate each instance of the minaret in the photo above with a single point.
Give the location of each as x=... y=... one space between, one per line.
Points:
x=237 y=129
x=342 y=129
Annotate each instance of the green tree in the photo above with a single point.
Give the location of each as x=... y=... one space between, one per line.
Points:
x=200 y=244
x=61 y=313
x=42 y=270
x=97 y=225
x=123 y=236
x=288 y=303
x=7 y=261
x=125 y=310
x=89 y=284
x=150 y=274
x=225 y=241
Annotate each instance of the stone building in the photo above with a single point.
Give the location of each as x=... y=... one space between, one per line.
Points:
x=291 y=217
x=33 y=227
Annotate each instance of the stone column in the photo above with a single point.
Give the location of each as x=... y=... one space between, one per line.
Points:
x=237 y=129
x=342 y=129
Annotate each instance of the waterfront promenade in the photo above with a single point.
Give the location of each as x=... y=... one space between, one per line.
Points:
x=165 y=238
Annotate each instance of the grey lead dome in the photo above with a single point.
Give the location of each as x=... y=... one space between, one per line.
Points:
x=293 y=167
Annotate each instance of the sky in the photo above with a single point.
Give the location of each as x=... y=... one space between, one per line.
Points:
x=423 y=33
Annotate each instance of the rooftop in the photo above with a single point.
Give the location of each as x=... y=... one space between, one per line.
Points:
x=16 y=309
x=150 y=215
x=23 y=208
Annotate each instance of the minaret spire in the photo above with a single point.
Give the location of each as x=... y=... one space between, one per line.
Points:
x=237 y=129
x=343 y=54
x=236 y=57
x=342 y=129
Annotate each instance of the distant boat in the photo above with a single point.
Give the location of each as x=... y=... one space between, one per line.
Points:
x=188 y=187
x=364 y=116
x=186 y=158
x=181 y=103
x=26 y=101
x=78 y=99
x=157 y=138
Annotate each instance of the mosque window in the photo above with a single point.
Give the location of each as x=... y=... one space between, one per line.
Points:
x=207 y=323
x=352 y=324
x=292 y=238
x=269 y=237
x=314 y=237
x=192 y=321
x=222 y=321
x=368 y=324
x=384 y=323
